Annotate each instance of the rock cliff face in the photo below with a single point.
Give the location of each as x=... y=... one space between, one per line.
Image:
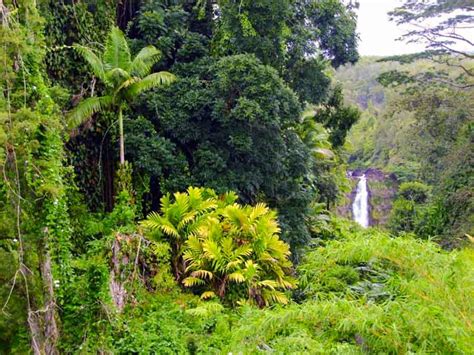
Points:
x=382 y=190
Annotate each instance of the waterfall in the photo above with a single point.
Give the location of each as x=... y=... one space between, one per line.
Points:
x=360 y=207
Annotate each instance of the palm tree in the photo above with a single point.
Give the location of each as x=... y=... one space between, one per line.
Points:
x=241 y=247
x=315 y=136
x=124 y=79
x=182 y=217
x=220 y=247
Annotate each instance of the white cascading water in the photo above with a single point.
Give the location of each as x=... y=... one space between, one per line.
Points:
x=360 y=207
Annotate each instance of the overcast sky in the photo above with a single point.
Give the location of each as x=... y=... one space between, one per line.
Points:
x=377 y=34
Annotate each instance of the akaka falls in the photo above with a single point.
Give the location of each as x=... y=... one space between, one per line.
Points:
x=360 y=206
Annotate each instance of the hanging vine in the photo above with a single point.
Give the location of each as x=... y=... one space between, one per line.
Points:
x=33 y=170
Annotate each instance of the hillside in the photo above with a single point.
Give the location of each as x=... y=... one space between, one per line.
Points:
x=417 y=132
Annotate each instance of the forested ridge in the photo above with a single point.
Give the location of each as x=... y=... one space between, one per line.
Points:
x=170 y=172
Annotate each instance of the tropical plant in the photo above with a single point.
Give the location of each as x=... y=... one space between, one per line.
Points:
x=414 y=191
x=238 y=256
x=124 y=79
x=223 y=249
x=181 y=217
x=315 y=136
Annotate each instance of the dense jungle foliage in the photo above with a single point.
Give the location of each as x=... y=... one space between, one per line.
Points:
x=169 y=170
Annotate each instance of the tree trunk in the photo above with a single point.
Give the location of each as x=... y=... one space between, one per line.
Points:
x=108 y=168
x=117 y=279
x=33 y=320
x=122 y=144
x=51 y=332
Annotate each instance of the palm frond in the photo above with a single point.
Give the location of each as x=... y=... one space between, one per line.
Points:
x=208 y=294
x=116 y=77
x=258 y=210
x=186 y=219
x=86 y=108
x=273 y=296
x=271 y=284
x=212 y=250
x=192 y=281
x=244 y=250
x=117 y=52
x=144 y=61
x=288 y=282
x=149 y=82
x=93 y=60
x=203 y=274
x=152 y=221
x=236 y=277
x=125 y=84
x=155 y=221
x=233 y=264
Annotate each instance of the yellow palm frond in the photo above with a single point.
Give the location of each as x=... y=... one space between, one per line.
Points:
x=192 y=281
x=274 y=296
x=236 y=277
x=258 y=210
x=203 y=274
x=271 y=284
x=208 y=294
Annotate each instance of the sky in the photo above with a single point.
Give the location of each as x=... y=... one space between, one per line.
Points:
x=377 y=34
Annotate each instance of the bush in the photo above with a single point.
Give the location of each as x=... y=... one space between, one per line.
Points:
x=409 y=210
x=414 y=191
x=222 y=249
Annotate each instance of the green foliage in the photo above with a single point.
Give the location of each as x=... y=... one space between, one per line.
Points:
x=254 y=27
x=414 y=191
x=364 y=292
x=181 y=217
x=222 y=249
x=34 y=200
x=333 y=23
x=234 y=122
x=337 y=117
x=420 y=132
x=404 y=216
x=124 y=78
x=77 y=281
x=68 y=23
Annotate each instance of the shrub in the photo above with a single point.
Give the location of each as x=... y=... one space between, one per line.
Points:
x=414 y=191
x=222 y=249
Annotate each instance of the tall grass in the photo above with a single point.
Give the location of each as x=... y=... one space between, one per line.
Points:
x=391 y=296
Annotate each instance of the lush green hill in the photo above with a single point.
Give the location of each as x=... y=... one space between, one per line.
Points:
x=419 y=132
